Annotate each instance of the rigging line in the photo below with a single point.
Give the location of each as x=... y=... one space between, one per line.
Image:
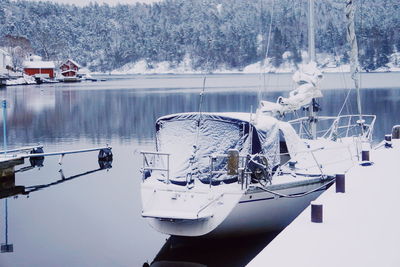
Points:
x=263 y=187
x=352 y=39
x=202 y=95
x=262 y=67
x=345 y=102
x=200 y=111
x=342 y=75
x=195 y=146
x=343 y=78
x=361 y=36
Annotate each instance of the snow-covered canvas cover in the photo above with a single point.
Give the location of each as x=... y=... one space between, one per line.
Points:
x=192 y=138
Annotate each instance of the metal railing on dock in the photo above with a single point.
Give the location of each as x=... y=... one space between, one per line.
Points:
x=21 y=149
x=63 y=153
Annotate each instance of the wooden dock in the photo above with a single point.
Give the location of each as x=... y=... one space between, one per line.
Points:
x=360 y=227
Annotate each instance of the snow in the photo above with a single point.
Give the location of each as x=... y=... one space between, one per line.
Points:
x=74 y=62
x=211 y=137
x=328 y=64
x=85 y=71
x=35 y=58
x=340 y=68
x=219 y=8
x=217 y=133
x=164 y=67
x=360 y=227
x=39 y=64
x=25 y=79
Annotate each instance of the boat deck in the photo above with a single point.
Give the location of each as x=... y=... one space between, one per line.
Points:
x=360 y=227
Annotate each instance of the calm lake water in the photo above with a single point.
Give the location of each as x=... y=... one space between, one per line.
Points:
x=94 y=219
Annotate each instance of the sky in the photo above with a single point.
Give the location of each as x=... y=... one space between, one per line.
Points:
x=110 y=2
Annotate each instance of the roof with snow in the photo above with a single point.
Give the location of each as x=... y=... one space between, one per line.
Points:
x=35 y=58
x=73 y=62
x=39 y=64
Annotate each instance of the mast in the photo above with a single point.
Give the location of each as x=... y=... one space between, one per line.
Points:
x=311 y=32
x=311 y=58
x=354 y=64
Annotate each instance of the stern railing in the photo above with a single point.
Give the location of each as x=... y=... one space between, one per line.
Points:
x=154 y=161
x=337 y=127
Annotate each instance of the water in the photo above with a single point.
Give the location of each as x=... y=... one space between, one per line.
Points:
x=94 y=219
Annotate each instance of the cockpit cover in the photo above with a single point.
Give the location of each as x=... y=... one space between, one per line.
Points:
x=191 y=138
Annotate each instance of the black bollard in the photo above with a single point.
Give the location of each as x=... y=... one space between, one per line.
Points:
x=316 y=213
x=396 y=132
x=340 y=183
x=105 y=154
x=365 y=155
x=388 y=140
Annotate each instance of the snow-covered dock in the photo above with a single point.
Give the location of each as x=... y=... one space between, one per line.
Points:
x=360 y=227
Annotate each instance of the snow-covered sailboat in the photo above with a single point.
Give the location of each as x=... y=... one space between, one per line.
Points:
x=240 y=173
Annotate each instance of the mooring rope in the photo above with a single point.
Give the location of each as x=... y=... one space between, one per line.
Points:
x=263 y=187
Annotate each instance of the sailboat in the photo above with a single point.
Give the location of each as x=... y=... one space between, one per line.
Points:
x=219 y=174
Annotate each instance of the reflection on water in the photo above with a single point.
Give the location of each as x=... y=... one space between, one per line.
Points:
x=9 y=188
x=7 y=179
x=180 y=251
x=96 y=221
x=123 y=114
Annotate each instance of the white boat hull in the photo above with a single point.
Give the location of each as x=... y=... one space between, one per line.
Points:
x=264 y=212
x=235 y=213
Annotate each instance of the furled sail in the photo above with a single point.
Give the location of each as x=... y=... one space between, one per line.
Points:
x=351 y=38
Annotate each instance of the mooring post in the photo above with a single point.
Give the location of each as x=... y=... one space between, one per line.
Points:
x=396 y=132
x=6 y=224
x=4 y=106
x=316 y=213
x=388 y=140
x=340 y=183
x=365 y=155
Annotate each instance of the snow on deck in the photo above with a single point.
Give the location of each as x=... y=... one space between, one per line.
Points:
x=360 y=227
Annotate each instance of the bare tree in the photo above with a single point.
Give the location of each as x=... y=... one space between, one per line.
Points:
x=18 y=47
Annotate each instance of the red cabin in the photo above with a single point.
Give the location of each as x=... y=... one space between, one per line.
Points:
x=70 y=68
x=42 y=69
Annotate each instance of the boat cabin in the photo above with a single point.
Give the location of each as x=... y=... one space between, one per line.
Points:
x=193 y=139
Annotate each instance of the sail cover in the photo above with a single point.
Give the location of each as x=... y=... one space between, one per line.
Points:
x=191 y=138
x=307 y=79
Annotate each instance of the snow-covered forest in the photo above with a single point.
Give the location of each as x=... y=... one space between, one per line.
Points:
x=210 y=34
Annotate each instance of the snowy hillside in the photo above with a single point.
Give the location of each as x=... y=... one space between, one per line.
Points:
x=199 y=36
x=328 y=65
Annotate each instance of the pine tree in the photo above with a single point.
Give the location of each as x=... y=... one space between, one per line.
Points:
x=277 y=48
